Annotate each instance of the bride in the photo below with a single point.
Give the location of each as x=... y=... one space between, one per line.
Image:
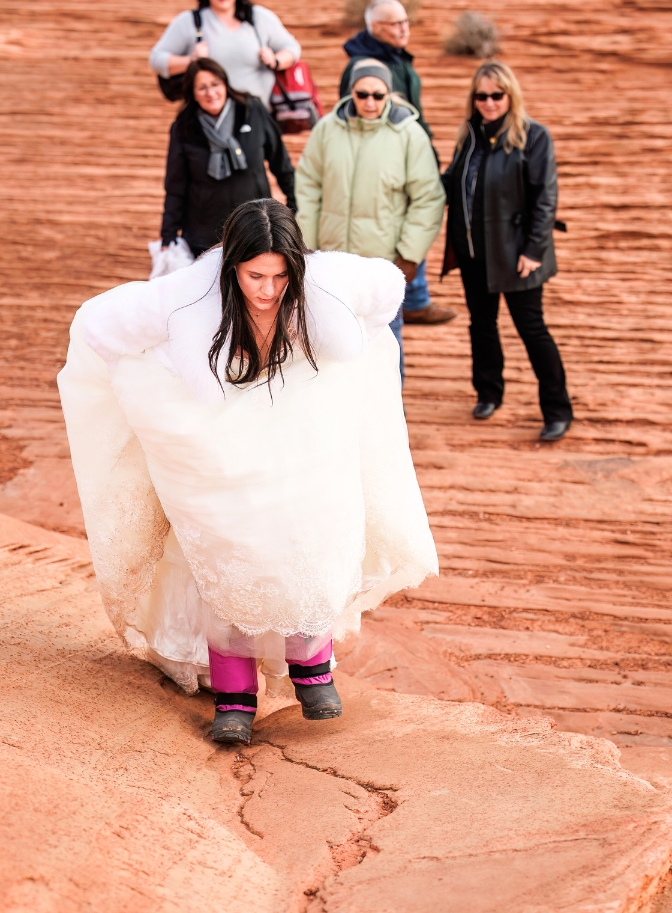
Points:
x=241 y=454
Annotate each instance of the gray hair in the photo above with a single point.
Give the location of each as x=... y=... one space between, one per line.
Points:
x=369 y=17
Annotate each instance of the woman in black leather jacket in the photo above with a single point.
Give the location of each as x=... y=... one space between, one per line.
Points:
x=502 y=194
x=218 y=145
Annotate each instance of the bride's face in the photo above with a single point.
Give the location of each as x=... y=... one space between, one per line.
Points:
x=263 y=281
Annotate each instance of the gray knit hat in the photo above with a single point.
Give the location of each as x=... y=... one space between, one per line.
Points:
x=371 y=67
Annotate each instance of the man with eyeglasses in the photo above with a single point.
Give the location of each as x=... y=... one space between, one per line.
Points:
x=385 y=38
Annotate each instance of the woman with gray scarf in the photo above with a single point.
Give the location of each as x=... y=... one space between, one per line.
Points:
x=218 y=145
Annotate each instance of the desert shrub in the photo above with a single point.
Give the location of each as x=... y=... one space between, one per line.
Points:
x=473 y=35
x=354 y=11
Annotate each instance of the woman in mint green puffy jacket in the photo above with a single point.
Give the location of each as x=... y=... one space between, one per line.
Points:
x=368 y=181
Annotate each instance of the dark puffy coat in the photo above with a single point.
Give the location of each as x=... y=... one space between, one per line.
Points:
x=520 y=195
x=197 y=204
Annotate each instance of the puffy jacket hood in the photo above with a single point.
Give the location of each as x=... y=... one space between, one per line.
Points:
x=365 y=45
x=396 y=114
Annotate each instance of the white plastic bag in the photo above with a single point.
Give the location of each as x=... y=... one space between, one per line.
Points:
x=176 y=256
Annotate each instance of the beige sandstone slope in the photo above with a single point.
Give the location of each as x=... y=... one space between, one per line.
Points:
x=114 y=798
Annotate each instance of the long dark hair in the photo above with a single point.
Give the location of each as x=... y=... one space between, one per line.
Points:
x=243 y=9
x=190 y=106
x=255 y=228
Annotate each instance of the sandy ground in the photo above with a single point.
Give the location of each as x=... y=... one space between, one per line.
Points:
x=553 y=597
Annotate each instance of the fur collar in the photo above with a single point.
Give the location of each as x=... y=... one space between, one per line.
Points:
x=350 y=299
x=333 y=327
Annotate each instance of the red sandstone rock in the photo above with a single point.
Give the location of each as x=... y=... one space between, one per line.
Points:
x=500 y=815
x=114 y=798
x=571 y=540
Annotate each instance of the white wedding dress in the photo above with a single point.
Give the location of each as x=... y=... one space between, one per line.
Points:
x=242 y=518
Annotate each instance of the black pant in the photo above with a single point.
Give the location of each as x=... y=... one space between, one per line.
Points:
x=488 y=359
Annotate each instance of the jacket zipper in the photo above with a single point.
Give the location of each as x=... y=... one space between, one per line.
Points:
x=467 y=220
x=350 y=200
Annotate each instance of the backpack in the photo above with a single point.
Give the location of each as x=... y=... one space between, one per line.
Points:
x=295 y=100
x=172 y=87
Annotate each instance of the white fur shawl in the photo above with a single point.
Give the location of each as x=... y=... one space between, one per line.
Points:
x=179 y=314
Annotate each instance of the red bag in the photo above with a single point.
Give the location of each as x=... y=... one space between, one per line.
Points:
x=295 y=100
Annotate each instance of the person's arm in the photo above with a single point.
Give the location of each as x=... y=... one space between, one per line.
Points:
x=127 y=320
x=176 y=184
x=177 y=64
x=283 y=60
x=177 y=47
x=135 y=316
x=370 y=287
x=542 y=195
x=426 y=196
x=447 y=177
x=281 y=49
x=384 y=289
x=309 y=186
x=277 y=157
x=423 y=123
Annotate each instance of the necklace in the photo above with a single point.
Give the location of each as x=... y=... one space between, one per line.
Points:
x=263 y=345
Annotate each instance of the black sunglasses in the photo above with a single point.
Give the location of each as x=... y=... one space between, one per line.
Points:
x=483 y=96
x=379 y=96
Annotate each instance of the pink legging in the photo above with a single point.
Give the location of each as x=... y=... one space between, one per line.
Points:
x=238 y=674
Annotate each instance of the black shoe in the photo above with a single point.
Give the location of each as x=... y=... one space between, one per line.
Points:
x=319 y=702
x=232 y=726
x=553 y=431
x=484 y=410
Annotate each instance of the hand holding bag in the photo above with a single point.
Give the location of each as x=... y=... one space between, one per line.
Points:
x=176 y=256
x=295 y=100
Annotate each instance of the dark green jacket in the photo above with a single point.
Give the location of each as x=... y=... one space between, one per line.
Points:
x=404 y=78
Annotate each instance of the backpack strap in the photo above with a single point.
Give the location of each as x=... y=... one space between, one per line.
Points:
x=198 y=24
x=283 y=92
x=256 y=30
x=279 y=85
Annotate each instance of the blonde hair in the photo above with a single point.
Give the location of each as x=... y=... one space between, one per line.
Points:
x=516 y=123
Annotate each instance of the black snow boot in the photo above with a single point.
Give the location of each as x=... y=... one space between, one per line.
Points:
x=234 y=725
x=319 y=701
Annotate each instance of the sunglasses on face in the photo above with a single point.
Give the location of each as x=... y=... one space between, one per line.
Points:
x=379 y=96
x=483 y=96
